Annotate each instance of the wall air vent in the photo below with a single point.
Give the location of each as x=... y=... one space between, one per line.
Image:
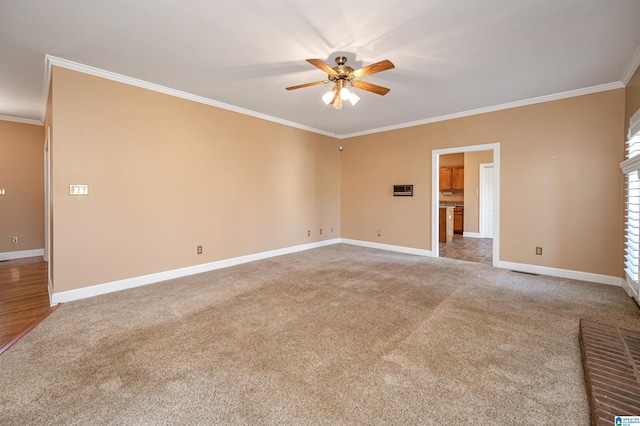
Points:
x=403 y=190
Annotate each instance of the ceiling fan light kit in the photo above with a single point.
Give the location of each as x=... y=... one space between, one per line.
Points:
x=342 y=75
x=345 y=93
x=328 y=97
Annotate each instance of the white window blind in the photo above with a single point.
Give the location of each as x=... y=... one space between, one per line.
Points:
x=632 y=225
x=630 y=167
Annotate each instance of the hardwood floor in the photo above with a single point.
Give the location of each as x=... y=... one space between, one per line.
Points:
x=24 y=299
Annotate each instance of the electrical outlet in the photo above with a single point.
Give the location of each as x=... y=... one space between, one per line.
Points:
x=539 y=251
x=199 y=249
x=308 y=233
x=379 y=233
x=320 y=231
x=14 y=240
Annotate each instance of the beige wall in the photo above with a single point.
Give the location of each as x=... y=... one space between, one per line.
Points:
x=472 y=190
x=166 y=175
x=22 y=178
x=452 y=160
x=561 y=186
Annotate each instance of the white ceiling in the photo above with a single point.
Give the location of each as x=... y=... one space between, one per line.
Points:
x=451 y=56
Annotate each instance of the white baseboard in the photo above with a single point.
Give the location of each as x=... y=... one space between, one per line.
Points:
x=95 y=290
x=521 y=267
x=389 y=247
x=561 y=273
x=472 y=235
x=631 y=291
x=10 y=255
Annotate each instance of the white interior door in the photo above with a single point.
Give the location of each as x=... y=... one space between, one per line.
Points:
x=486 y=200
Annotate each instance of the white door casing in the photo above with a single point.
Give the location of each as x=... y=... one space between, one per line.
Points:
x=47 y=219
x=486 y=200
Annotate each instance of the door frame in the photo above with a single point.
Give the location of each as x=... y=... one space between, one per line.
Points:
x=435 y=198
x=483 y=200
x=47 y=222
x=47 y=208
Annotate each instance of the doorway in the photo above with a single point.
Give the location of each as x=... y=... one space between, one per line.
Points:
x=491 y=203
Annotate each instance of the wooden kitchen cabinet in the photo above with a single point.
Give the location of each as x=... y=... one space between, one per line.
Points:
x=451 y=179
x=457 y=178
x=458 y=220
x=445 y=225
x=445 y=179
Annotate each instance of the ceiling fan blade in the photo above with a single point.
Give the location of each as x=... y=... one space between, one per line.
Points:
x=378 y=90
x=373 y=68
x=324 y=67
x=300 y=86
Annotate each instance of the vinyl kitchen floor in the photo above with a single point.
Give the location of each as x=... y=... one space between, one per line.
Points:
x=478 y=250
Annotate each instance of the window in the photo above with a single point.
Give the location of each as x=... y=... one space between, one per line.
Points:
x=632 y=225
x=630 y=168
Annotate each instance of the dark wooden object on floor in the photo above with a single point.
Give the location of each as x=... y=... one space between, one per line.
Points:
x=445 y=225
x=458 y=220
x=24 y=298
x=611 y=359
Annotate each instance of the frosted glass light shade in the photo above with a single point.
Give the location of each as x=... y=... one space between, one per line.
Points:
x=337 y=104
x=353 y=98
x=326 y=98
x=345 y=93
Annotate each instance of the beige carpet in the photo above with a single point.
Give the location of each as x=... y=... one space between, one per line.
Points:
x=336 y=335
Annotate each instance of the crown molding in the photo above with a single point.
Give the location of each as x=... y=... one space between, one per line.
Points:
x=51 y=61
x=97 y=72
x=632 y=67
x=509 y=105
x=20 y=120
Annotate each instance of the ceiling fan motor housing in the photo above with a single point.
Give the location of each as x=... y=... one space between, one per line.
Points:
x=343 y=70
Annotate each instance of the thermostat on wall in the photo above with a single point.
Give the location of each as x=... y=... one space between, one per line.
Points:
x=403 y=190
x=78 y=189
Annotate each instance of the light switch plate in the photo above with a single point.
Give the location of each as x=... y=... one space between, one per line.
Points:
x=78 y=189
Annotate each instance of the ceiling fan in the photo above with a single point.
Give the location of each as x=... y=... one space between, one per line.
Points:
x=342 y=75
